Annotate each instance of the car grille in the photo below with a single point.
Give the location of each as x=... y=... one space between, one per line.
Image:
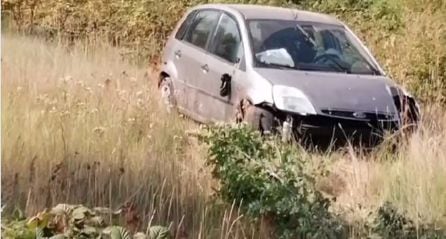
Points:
x=359 y=115
x=343 y=125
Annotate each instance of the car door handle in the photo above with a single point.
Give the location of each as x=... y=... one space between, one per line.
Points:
x=177 y=54
x=205 y=68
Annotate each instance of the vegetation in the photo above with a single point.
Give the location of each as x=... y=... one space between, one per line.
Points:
x=82 y=125
x=278 y=183
x=77 y=221
x=270 y=180
x=408 y=36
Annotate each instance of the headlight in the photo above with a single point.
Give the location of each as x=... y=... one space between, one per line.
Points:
x=291 y=99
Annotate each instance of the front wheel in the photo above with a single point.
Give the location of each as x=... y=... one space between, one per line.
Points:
x=259 y=119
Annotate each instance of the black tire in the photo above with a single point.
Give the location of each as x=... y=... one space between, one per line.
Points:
x=259 y=119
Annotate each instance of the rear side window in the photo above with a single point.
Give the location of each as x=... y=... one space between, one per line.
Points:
x=227 y=39
x=202 y=27
x=185 y=25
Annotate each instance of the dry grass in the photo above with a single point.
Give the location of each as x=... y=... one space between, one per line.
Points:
x=418 y=63
x=412 y=179
x=80 y=125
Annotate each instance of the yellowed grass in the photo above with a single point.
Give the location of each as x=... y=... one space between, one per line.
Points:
x=79 y=125
x=414 y=55
x=413 y=179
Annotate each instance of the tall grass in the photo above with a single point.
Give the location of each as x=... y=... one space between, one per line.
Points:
x=79 y=125
x=412 y=178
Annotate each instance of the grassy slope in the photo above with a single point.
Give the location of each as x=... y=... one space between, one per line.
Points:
x=81 y=126
x=77 y=129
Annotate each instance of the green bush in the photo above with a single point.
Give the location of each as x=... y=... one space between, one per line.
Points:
x=276 y=182
x=271 y=180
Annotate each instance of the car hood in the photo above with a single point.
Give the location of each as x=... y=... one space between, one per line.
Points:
x=337 y=91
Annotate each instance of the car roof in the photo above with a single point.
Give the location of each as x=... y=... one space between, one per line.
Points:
x=250 y=11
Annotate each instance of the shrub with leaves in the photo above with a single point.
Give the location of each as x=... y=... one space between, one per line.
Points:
x=271 y=181
x=16 y=229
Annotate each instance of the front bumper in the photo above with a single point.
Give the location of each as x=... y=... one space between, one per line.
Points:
x=317 y=128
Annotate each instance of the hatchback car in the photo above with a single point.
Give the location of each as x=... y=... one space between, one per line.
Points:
x=280 y=70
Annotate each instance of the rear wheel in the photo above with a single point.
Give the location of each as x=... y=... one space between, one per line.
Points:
x=167 y=101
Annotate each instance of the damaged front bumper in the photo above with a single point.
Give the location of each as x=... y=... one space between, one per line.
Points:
x=317 y=128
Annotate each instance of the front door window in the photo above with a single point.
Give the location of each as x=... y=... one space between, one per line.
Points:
x=227 y=40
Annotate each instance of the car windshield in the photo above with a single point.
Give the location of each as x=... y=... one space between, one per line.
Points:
x=308 y=46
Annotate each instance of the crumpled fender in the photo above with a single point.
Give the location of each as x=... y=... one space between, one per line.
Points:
x=259 y=90
x=257 y=96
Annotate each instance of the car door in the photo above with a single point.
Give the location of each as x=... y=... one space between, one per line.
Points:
x=194 y=56
x=224 y=62
x=174 y=55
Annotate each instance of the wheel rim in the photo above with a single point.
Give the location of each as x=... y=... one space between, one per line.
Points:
x=166 y=96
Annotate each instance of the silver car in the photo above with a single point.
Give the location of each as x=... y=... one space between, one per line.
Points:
x=280 y=70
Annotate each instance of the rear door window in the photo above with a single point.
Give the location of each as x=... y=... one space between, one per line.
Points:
x=227 y=39
x=201 y=29
x=185 y=25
